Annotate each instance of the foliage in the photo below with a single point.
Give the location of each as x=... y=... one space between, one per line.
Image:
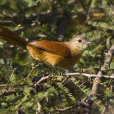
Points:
x=29 y=86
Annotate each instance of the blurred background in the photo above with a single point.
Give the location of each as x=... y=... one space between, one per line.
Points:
x=28 y=86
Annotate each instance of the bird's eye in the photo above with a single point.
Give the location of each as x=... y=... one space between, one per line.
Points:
x=79 y=40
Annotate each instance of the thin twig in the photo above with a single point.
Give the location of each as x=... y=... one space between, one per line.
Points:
x=38 y=110
x=7 y=85
x=42 y=79
x=64 y=109
x=31 y=72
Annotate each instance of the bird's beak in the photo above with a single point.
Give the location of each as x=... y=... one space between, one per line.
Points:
x=89 y=42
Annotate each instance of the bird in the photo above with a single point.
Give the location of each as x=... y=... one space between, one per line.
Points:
x=54 y=54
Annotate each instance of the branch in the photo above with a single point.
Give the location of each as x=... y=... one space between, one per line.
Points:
x=62 y=27
x=64 y=109
x=108 y=61
x=38 y=110
x=65 y=20
x=87 y=101
x=6 y=86
x=97 y=79
x=3 y=85
x=89 y=75
x=8 y=92
x=42 y=79
x=24 y=27
x=6 y=23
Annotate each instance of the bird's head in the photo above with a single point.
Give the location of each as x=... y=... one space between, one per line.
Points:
x=79 y=42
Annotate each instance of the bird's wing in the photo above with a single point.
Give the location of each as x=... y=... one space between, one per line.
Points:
x=58 y=48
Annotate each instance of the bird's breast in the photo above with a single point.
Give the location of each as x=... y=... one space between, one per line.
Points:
x=59 y=61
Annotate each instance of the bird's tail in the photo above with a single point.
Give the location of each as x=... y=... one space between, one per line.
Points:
x=12 y=37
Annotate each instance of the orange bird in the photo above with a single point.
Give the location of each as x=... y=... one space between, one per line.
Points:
x=55 y=54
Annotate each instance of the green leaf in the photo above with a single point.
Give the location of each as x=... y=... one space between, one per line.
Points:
x=27 y=90
x=13 y=78
x=112 y=65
